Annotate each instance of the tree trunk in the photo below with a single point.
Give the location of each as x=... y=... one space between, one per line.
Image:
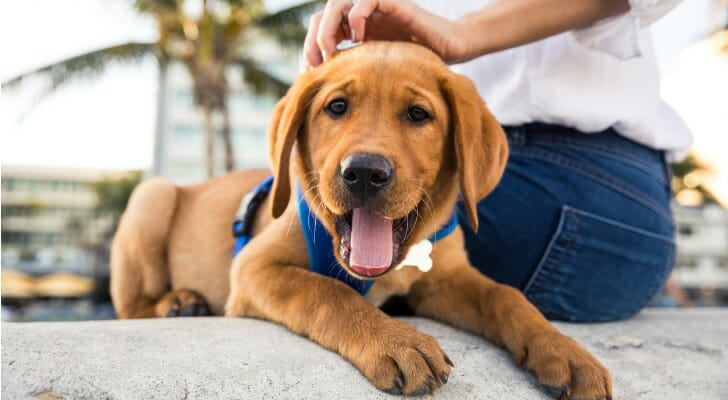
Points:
x=158 y=165
x=210 y=142
x=226 y=135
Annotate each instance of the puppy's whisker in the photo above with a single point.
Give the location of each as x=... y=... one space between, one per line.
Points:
x=431 y=209
x=319 y=203
x=426 y=201
x=409 y=232
x=312 y=185
x=429 y=205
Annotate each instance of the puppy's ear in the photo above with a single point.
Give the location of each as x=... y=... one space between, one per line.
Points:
x=480 y=144
x=288 y=120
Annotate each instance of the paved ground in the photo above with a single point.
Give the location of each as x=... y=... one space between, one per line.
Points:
x=656 y=355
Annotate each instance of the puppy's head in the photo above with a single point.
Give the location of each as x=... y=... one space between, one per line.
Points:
x=385 y=135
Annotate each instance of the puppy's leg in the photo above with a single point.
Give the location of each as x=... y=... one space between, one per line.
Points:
x=139 y=271
x=460 y=295
x=269 y=281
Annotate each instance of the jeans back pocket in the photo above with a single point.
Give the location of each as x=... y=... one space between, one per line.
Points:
x=598 y=269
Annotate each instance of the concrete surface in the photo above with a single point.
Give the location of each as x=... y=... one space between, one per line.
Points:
x=656 y=355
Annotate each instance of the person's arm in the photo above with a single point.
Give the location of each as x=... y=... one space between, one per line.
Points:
x=500 y=25
x=504 y=24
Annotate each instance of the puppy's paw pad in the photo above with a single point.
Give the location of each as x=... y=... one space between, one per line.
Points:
x=182 y=303
x=192 y=310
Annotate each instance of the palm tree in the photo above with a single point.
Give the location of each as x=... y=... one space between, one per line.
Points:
x=720 y=36
x=688 y=175
x=112 y=196
x=207 y=44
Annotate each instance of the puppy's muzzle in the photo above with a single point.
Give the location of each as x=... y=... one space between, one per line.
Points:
x=365 y=175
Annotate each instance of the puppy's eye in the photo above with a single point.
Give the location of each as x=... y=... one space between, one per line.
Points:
x=337 y=107
x=417 y=114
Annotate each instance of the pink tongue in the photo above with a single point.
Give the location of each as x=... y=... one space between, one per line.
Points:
x=371 y=242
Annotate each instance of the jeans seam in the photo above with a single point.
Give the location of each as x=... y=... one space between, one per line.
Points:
x=542 y=275
x=583 y=139
x=543 y=307
x=584 y=170
x=544 y=259
x=614 y=155
x=620 y=225
x=663 y=274
x=668 y=174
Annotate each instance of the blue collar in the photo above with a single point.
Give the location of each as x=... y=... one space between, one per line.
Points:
x=244 y=217
x=321 y=256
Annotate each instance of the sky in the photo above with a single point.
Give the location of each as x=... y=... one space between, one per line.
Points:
x=108 y=122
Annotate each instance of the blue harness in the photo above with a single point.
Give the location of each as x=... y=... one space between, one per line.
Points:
x=321 y=258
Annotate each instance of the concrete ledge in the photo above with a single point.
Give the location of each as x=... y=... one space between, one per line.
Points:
x=656 y=355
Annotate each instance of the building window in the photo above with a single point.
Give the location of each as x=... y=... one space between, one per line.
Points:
x=685 y=230
x=187 y=132
x=184 y=98
x=9 y=183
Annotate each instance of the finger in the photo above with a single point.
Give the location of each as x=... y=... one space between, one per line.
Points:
x=311 y=50
x=357 y=17
x=329 y=28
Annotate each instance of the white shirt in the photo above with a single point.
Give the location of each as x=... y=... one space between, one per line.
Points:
x=590 y=79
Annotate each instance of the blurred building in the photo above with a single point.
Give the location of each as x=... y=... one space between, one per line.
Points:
x=179 y=153
x=702 y=252
x=49 y=222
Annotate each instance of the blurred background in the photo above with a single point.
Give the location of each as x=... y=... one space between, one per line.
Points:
x=98 y=94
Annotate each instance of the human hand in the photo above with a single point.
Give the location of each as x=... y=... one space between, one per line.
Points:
x=395 y=20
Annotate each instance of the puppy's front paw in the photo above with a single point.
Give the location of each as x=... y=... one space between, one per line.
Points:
x=402 y=360
x=182 y=303
x=560 y=362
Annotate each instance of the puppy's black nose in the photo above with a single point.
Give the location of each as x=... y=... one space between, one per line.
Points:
x=365 y=174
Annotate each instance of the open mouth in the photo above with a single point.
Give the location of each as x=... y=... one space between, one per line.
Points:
x=370 y=242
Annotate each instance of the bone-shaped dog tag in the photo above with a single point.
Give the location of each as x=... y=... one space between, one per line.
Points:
x=418 y=256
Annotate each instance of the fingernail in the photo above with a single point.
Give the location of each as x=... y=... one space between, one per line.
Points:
x=325 y=54
x=353 y=36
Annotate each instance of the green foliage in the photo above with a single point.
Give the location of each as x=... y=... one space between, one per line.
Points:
x=292 y=15
x=112 y=195
x=688 y=165
x=87 y=65
x=287 y=25
x=261 y=81
x=680 y=181
x=214 y=37
x=207 y=44
x=150 y=5
x=35 y=206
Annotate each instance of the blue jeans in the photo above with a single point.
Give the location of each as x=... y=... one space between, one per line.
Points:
x=580 y=223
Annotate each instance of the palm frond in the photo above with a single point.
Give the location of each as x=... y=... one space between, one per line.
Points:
x=88 y=64
x=262 y=81
x=288 y=25
x=295 y=14
x=156 y=5
x=288 y=35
